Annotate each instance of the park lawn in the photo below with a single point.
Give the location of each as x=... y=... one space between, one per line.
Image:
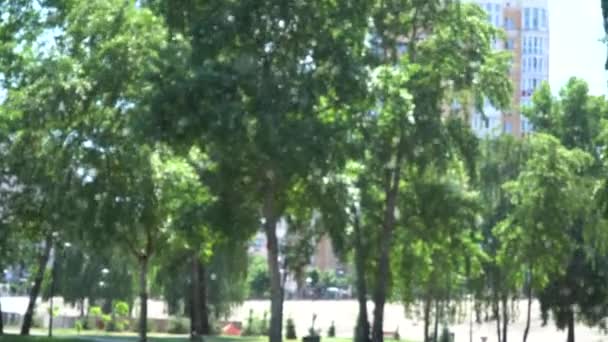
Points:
x=17 y=338
x=69 y=336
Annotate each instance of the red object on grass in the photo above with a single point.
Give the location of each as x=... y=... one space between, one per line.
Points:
x=231 y=329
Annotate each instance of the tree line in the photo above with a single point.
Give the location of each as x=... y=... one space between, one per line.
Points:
x=155 y=137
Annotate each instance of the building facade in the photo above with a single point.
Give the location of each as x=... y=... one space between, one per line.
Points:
x=526 y=23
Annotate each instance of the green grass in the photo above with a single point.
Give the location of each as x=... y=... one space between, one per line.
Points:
x=68 y=335
x=17 y=338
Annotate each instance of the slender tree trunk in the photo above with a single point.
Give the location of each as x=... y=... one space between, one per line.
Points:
x=52 y=294
x=505 y=317
x=436 y=332
x=477 y=308
x=427 y=317
x=362 y=328
x=529 y=310
x=81 y=308
x=276 y=290
x=471 y=312
x=195 y=303
x=571 y=327
x=385 y=246
x=1 y=319
x=496 y=309
x=205 y=326
x=35 y=291
x=143 y=297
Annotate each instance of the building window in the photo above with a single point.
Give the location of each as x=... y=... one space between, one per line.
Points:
x=509 y=25
x=508 y=127
x=526 y=18
x=535 y=19
x=535 y=48
x=543 y=18
x=535 y=64
x=540 y=65
x=510 y=44
x=541 y=45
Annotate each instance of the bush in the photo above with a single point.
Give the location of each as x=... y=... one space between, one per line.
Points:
x=290 y=330
x=256 y=326
x=264 y=329
x=37 y=322
x=95 y=311
x=331 y=332
x=179 y=325
x=78 y=325
x=396 y=335
x=120 y=318
x=121 y=309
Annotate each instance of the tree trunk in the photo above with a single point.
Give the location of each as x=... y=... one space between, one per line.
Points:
x=205 y=326
x=35 y=291
x=529 y=311
x=505 y=317
x=143 y=297
x=52 y=292
x=471 y=312
x=81 y=308
x=1 y=320
x=362 y=328
x=427 y=317
x=436 y=330
x=385 y=246
x=195 y=303
x=496 y=309
x=276 y=290
x=571 y=327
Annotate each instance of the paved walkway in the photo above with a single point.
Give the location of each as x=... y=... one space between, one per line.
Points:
x=344 y=316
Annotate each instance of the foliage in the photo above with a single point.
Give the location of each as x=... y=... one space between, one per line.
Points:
x=257 y=277
x=256 y=326
x=178 y=325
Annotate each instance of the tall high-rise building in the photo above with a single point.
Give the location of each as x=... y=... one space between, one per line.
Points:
x=526 y=23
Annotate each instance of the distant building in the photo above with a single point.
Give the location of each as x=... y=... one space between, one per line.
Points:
x=526 y=23
x=324 y=258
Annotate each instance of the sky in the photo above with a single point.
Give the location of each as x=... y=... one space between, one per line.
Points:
x=575 y=47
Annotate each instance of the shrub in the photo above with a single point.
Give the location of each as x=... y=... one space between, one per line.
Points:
x=331 y=332
x=120 y=317
x=121 y=309
x=256 y=326
x=178 y=325
x=396 y=335
x=37 y=322
x=264 y=329
x=290 y=330
x=78 y=325
x=95 y=311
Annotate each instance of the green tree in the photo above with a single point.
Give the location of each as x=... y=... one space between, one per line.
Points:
x=575 y=119
x=440 y=245
x=420 y=100
x=501 y=160
x=264 y=80
x=550 y=194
